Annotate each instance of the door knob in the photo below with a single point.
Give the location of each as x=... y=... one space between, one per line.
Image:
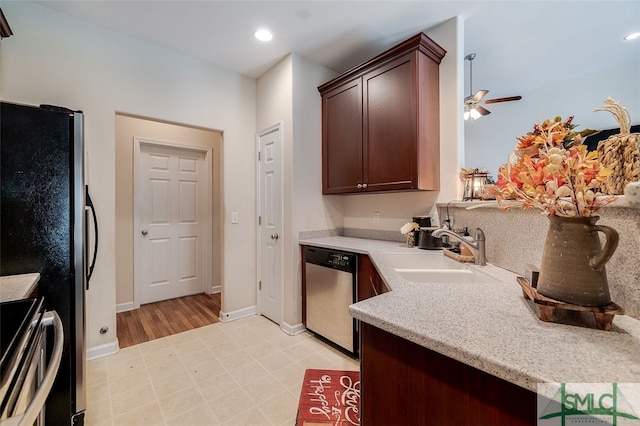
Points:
x=275 y=236
x=144 y=232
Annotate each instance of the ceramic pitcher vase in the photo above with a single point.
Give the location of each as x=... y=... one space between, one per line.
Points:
x=573 y=261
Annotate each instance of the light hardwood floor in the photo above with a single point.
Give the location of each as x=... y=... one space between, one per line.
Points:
x=167 y=317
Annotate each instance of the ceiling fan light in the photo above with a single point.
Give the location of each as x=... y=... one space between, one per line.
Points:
x=474 y=113
x=263 y=35
x=466 y=114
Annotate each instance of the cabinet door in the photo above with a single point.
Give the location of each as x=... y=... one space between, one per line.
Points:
x=390 y=128
x=370 y=283
x=423 y=387
x=342 y=139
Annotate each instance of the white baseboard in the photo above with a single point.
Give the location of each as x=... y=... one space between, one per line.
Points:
x=124 y=307
x=292 y=330
x=103 y=350
x=215 y=289
x=241 y=313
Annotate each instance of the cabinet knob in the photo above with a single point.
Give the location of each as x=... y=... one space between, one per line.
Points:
x=359 y=186
x=275 y=236
x=364 y=185
x=144 y=232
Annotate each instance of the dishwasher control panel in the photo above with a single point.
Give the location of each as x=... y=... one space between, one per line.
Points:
x=335 y=259
x=340 y=260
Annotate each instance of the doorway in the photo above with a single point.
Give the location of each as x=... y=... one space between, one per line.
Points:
x=127 y=128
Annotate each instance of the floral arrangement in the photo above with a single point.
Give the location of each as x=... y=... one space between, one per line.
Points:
x=409 y=227
x=551 y=133
x=552 y=171
x=407 y=230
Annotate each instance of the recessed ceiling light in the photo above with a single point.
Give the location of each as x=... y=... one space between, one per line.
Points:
x=263 y=35
x=632 y=36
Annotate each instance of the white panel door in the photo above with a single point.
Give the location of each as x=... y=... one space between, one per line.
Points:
x=271 y=251
x=171 y=208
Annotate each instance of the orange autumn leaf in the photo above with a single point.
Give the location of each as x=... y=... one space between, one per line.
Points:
x=559 y=177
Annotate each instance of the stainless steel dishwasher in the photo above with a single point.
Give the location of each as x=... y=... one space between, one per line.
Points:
x=330 y=278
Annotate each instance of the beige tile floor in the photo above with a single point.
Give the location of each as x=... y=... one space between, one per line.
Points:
x=245 y=372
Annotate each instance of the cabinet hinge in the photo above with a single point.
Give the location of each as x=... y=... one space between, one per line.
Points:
x=258 y=155
x=259 y=220
x=259 y=285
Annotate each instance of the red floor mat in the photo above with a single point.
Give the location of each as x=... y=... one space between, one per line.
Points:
x=329 y=397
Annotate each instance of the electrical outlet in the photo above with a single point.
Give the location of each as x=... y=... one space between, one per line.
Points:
x=376 y=217
x=234 y=217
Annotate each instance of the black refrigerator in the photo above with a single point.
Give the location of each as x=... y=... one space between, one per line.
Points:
x=44 y=213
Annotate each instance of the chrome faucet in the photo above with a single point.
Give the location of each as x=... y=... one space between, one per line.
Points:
x=477 y=246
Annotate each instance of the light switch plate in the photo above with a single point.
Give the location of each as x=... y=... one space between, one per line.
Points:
x=234 y=217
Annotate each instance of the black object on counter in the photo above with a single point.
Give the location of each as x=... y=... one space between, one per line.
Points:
x=427 y=241
x=423 y=222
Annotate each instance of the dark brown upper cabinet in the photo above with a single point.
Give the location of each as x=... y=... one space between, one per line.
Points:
x=381 y=122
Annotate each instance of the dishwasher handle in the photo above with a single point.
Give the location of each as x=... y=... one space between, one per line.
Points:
x=30 y=415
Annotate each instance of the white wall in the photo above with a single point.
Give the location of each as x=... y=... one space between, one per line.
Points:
x=397 y=209
x=312 y=210
x=56 y=59
x=490 y=139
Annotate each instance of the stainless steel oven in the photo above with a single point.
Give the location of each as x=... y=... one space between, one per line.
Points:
x=27 y=371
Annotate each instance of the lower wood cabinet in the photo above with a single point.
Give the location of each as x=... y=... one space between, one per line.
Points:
x=403 y=383
x=370 y=283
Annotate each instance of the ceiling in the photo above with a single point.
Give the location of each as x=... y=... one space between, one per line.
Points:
x=520 y=45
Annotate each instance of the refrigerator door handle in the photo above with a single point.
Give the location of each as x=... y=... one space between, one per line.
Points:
x=95 y=234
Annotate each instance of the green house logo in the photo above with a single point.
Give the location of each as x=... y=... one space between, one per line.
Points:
x=588 y=403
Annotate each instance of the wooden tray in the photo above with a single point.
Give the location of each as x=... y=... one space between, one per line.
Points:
x=458 y=257
x=545 y=307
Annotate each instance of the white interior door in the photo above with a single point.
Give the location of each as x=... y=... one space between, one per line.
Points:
x=171 y=204
x=270 y=252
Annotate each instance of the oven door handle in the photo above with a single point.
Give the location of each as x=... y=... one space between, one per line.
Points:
x=37 y=403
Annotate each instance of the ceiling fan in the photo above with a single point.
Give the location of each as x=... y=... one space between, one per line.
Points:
x=472 y=107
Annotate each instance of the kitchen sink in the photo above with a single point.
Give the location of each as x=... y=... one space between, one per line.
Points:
x=445 y=275
x=425 y=260
x=433 y=266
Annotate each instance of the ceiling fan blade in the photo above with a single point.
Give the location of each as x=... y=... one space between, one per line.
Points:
x=507 y=99
x=479 y=95
x=482 y=111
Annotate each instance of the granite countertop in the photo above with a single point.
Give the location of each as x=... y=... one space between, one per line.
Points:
x=491 y=326
x=16 y=287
